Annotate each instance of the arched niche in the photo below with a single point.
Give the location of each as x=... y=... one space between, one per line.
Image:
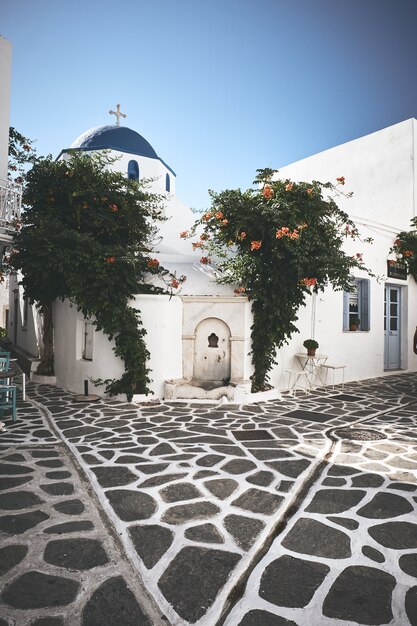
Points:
x=133 y=170
x=212 y=352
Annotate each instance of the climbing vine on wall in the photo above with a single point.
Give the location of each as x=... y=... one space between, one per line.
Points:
x=279 y=242
x=405 y=248
x=87 y=236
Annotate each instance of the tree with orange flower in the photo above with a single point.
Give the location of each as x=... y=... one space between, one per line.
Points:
x=87 y=235
x=280 y=241
x=405 y=248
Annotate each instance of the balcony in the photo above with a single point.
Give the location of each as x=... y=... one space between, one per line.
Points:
x=10 y=208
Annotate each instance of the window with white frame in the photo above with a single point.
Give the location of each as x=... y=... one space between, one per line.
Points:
x=356 y=305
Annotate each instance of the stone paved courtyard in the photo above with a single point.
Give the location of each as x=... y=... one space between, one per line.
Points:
x=189 y=513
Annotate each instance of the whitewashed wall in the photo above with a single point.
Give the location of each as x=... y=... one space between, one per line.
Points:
x=27 y=336
x=161 y=317
x=148 y=169
x=5 y=80
x=380 y=169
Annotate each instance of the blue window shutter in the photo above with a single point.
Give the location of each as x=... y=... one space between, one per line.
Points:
x=345 y=310
x=167 y=183
x=364 y=315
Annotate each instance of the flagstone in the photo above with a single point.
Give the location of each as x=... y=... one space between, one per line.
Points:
x=373 y=554
x=368 y=480
x=131 y=505
x=69 y=507
x=244 y=530
x=258 y=617
x=291 y=582
x=258 y=501
x=408 y=563
x=58 y=489
x=385 y=505
x=361 y=594
x=114 y=476
x=35 y=590
x=10 y=482
x=193 y=579
x=331 y=501
x=20 y=523
x=395 y=535
x=291 y=468
x=204 y=533
x=179 y=491
x=10 y=468
x=308 y=536
x=411 y=605
x=183 y=513
x=114 y=604
x=10 y=556
x=261 y=478
x=69 y=527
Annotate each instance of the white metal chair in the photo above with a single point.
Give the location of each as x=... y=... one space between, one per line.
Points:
x=298 y=374
x=334 y=367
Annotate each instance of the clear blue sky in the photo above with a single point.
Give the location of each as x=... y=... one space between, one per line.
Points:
x=218 y=87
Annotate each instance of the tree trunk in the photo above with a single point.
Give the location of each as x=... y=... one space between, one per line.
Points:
x=46 y=366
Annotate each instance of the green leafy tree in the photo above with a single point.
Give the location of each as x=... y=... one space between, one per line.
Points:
x=280 y=242
x=405 y=248
x=87 y=236
x=21 y=154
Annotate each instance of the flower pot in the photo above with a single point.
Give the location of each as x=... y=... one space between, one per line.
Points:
x=353 y=327
x=311 y=351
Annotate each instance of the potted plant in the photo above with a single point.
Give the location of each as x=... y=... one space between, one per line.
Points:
x=311 y=345
x=354 y=322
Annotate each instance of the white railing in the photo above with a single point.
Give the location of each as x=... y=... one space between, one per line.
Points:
x=10 y=205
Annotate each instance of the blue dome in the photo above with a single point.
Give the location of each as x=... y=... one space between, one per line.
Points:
x=115 y=137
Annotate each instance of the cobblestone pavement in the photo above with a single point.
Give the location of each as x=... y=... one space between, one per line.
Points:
x=255 y=515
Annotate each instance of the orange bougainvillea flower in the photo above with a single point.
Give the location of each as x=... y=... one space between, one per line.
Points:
x=239 y=290
x=175 y=283
x=242 y=235
x=309 y=282
x=114 y=208
x=255 y=245
x=110 y=259
x=218 y=215
x=204 y=237
x=408 y=253
x=184 y=234
x=205 y=260
x=152 y=263
x=310 y=190
x=198 y=244
x=341 y=180
x=397 y=242
x=267 y=192
x=286 y=232
x=289 y=186
x=225 y=222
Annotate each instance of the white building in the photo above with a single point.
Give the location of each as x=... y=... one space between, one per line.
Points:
x=381 y=171
x=203 y=333
x=10 y=193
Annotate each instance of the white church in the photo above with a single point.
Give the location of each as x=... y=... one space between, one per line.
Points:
x=199 y=338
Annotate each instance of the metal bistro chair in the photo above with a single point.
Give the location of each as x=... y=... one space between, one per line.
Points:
x=8 y=399
x=4 y=361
